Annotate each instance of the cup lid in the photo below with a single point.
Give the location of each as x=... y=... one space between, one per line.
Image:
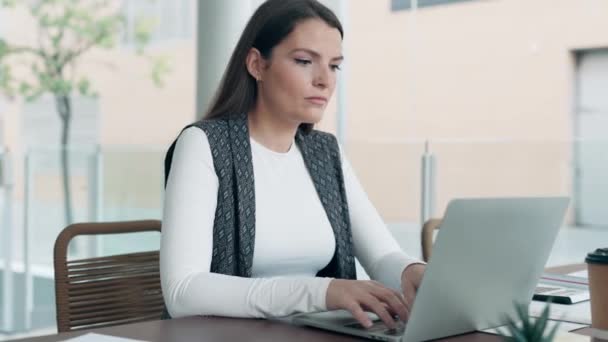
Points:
x=600 y=256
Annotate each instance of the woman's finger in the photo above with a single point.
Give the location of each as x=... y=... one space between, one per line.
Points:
x=380 y=287
x=396 y=304
x=374 y=305
x=357 y=311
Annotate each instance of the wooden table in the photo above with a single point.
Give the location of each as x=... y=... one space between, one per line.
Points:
x=212 y=329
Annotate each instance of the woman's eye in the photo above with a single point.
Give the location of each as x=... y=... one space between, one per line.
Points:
x=335 y=67
x=302 y=61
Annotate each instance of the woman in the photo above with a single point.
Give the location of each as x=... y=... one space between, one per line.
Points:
x=263 y=215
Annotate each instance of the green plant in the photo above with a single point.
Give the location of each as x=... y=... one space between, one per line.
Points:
x=525 y=328
x=66 y=31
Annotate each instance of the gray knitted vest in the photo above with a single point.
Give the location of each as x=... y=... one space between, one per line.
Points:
x=234 y=224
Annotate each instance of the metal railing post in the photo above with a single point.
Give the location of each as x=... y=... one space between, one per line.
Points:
x=95 y=199
x=6 y=182
x=27 y=207
x=427 y=198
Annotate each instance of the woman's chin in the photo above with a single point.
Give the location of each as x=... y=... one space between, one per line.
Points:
x=312 y=116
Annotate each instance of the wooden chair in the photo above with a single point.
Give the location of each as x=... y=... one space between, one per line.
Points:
x=426 y=238
x=109 y=290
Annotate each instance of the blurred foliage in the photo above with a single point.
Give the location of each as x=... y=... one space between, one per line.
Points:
x=67 y=30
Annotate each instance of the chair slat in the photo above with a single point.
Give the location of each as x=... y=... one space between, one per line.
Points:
x=121 y=299
x=105 y=299
x=111 y=258
x=151 y=302
x=126 y=277
x=153 y=277
x=114 y=289
x=112 y=263
x=107 y=322
x=115 y=269
x=120 y=310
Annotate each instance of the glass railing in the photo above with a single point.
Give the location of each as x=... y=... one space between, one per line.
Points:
x=408 y=182
x=390 y=173
x=106 y=184
x=500 y=168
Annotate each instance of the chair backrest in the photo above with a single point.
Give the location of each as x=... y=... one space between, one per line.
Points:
x=426 y=237
x=109 y=290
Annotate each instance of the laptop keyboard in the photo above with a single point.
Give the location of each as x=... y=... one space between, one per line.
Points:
x=378 y=326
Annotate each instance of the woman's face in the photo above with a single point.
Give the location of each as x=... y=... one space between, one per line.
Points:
x=299 y=78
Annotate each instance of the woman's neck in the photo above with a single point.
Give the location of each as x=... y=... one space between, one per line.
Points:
x=271 y=132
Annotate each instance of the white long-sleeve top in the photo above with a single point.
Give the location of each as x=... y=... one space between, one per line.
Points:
x=293 y=240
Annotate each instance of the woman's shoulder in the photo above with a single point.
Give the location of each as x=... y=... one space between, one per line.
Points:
x=192 y=132
x=209 y=125
x=191 y=148
x=205 y=129
x=192 y=139
x=208 y=135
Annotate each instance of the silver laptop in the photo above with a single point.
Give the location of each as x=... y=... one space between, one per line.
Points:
x=488 y=254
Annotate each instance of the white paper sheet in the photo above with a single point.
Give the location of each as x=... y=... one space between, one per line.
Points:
x=582 y=274
x=576 y=313
x=92 y=337
x=563 y=327
x=602 y=334
x=571 y=337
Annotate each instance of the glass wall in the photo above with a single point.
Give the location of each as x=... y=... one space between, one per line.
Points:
x=118 y=136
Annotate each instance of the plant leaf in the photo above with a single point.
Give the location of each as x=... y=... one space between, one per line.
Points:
x=541 y=323
x=8 y=3
x=25 y=87
x=516 y=333
x=522 y=313
x=6 y=80
x=34 y=94
x=552 y=333
x=161 y=67
x=3 y=48
x=84 y=87
x=144 y=26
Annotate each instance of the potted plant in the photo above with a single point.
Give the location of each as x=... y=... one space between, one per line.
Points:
x=525 y=328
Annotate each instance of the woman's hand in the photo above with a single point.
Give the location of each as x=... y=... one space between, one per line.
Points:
x=358 y=296
x=410 y=282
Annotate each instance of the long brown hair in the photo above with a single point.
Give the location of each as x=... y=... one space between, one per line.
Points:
x=272 y=22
